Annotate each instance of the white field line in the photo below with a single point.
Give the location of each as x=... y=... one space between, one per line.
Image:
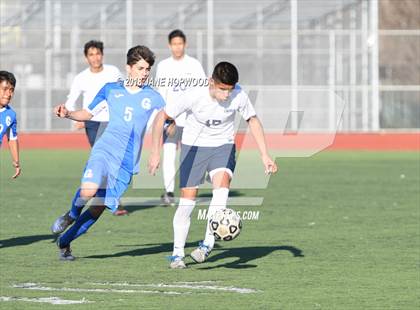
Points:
x=197 y=282
x=49 y=300
x=38 y=287
x=184 y=285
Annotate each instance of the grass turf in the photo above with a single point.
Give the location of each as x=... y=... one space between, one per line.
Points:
x=339 y=230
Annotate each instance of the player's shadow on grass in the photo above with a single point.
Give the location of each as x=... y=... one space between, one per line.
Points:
x=232 y=193
x=244 y=254
x=133 y=207
x=153 y=248
x=24 y=240
x=247 y=254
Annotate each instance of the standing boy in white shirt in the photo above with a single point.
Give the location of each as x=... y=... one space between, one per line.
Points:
x=175 y=75
x=88 y=83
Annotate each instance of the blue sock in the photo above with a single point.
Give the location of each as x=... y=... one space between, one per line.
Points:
x=77 y=205
x=80 y=227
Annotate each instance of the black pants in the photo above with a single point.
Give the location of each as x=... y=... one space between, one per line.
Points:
x=94 y=130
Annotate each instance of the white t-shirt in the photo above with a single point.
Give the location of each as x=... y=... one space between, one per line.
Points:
x=174 y=77
x=89 y=84
x=209 y=122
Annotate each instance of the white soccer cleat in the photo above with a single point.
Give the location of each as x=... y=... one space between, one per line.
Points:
x=177 y=262
x=201 y=253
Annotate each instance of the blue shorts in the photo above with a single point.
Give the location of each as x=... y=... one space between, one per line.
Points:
x=197 y=160
x=111 y=187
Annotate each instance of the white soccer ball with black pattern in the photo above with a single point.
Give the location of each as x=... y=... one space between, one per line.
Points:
x=225 y=224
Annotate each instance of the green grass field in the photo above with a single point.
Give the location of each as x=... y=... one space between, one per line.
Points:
x=339 y=230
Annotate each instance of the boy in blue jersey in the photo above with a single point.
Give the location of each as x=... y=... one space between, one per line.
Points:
x=114 y=157
x=8 y=118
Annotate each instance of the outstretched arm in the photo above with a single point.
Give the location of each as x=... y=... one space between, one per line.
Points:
x=157 y=132
x=79 y=115
x=258 y=134
x=14 y=152
x=70 y=104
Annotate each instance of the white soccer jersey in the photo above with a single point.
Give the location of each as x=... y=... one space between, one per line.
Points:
x=209 y=122
x=174 y=77
x=89 y=84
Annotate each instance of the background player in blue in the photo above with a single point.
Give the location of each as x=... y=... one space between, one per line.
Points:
x=8 y=118
x=114 y=157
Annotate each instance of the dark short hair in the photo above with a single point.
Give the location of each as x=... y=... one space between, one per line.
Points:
x=94 y=44
x=8 y=77
x=139 y=52
x=225 y=73
x=176 y=34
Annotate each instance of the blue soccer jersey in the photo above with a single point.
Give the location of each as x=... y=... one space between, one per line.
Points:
x=8 y=123
x=129 y=112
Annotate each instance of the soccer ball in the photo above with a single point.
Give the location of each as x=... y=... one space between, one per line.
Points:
x=225 y=224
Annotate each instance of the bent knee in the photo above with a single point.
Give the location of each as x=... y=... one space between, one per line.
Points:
x=87 y=194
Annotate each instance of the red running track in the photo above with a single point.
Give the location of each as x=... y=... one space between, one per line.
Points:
x=341 y=141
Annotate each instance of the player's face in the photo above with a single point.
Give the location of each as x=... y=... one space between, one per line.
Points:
x=220 y=91
x=177 y=46
x=139 y=72
x=6 y=93
x=94 y=58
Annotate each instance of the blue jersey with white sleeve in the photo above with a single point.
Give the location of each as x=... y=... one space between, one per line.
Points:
x=8 y=123
x=120 y=145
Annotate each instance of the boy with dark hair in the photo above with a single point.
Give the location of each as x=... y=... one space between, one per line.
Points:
x=95 y=45
x=176 y=34
x=114 y=158
x=139 y=52
x=208 y=146
x=88 y=83
x=8 y=122
x=180 y=72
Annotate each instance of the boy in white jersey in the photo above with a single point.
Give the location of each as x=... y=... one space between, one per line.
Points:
x=89 y=82
x=207 y=146
x=175 y=75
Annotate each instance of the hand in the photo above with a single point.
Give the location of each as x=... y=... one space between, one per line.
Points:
x=79 y=125
x=17 y=170
x=269 y=165
x=61 y=111
x=170 y=129
x=153 y=164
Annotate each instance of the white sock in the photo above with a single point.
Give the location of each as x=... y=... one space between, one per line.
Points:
x=218 y=201
x=181 y=222
x=168 y=166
